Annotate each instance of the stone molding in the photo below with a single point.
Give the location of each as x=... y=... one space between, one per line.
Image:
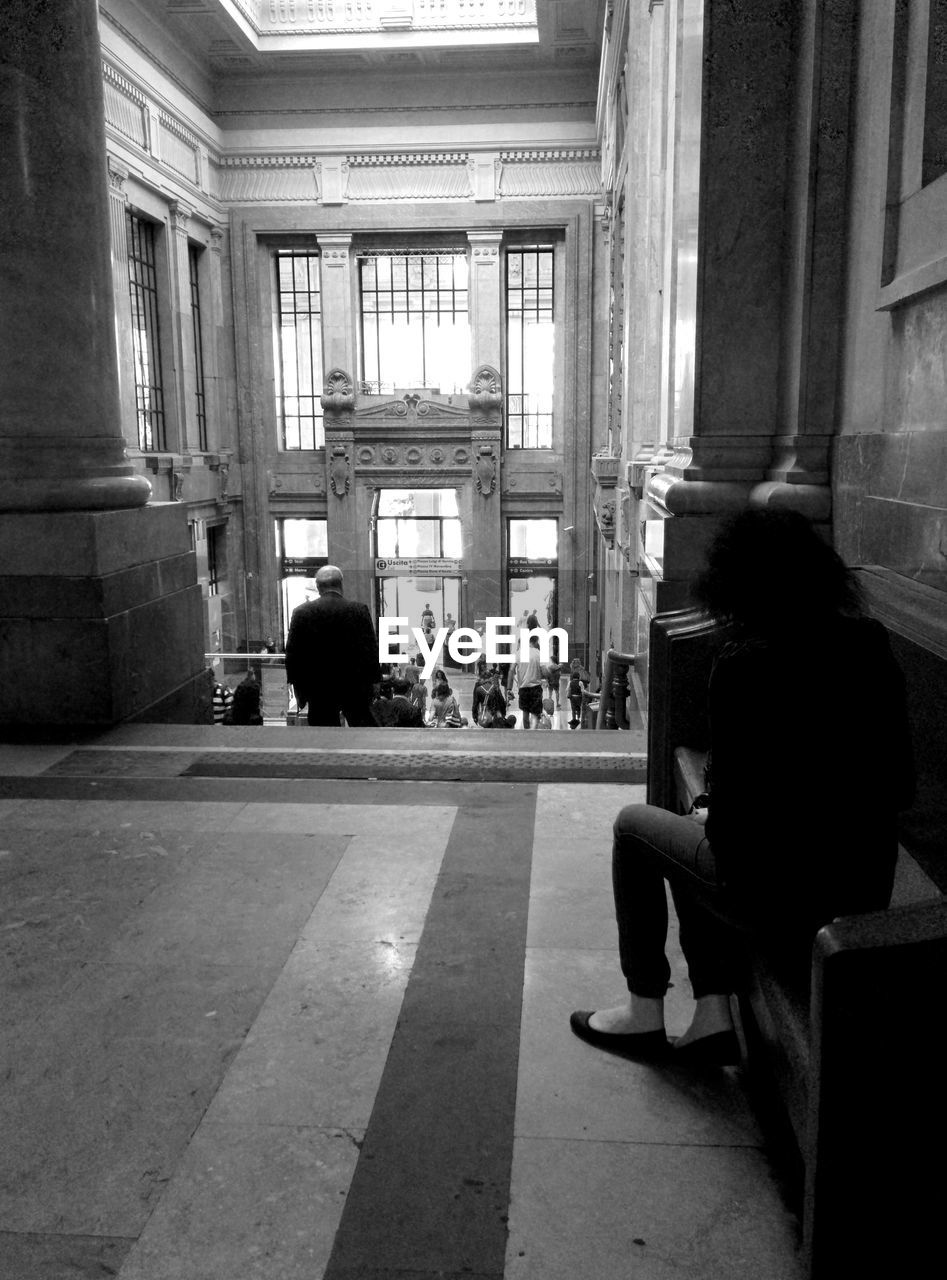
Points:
x=407 y=176
x=125 y=107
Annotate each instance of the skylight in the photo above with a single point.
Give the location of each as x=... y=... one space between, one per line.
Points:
x=314 y=25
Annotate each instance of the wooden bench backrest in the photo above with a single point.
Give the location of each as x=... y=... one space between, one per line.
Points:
x=682 y=647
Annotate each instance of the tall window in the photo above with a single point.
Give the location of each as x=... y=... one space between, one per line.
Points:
x=302 y=546
x=419 y=522
x=216 y=559
x=533 y=568
x=193 y=260
x=530 y=346
x=146 y=334
x=934 y=162
x=415 y=328
x=299 y=350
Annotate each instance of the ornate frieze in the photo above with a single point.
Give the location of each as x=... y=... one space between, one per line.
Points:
x=178 y=148
x=379 y=177
x=274 y=179
x=550 y=180
x=412 y=181
x=125 y=107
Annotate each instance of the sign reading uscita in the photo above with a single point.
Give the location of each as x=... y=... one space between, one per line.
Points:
x=416 y=567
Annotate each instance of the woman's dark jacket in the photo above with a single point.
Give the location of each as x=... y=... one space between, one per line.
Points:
x=810 y=765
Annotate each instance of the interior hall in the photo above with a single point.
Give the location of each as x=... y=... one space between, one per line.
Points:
x=503 y=307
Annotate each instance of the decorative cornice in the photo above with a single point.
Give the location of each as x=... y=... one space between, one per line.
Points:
x=179 y=129
x=374 y=159
x=556 y=107
x=124 y=86
x=263 y=160
x=544 y=155
x=550 y=180
x=163 y=67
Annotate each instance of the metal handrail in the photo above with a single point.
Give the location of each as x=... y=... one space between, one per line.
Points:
x=612 y=713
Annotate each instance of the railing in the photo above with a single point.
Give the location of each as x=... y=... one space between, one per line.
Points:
x=612 y=707
x=269 y=671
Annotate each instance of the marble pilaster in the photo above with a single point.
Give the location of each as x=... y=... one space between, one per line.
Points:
x=485 y=299
x=61 y=444
x=182 y=327
x=336 y=285
x=121 y=298
x=485 y=554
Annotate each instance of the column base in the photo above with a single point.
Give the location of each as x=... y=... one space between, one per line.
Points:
x=101 y=619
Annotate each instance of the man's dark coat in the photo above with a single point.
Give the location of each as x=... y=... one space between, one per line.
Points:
x=332 y=659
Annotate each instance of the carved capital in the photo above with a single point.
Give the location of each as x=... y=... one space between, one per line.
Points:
x=179 y=216
x=338 y=393
x=486 y=391
x=117 y=177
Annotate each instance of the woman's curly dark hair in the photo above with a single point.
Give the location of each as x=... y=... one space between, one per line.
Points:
x=769 y=570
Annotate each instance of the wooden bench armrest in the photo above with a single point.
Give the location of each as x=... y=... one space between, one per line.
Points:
x=689 y=767
x=909 y=925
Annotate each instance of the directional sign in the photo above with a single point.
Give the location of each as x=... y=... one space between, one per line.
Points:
x=416 y=567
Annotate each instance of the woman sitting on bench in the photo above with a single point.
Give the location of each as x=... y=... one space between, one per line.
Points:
x=809 y=765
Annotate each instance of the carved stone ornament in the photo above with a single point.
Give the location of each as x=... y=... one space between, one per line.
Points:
x=486 y=470
x=461 y=456
x=486 y=390
x=389 y=455
x=436 y=456
x=177 y=486
x=365 y=456
x=338 y=392
x=224 y=474
x=339 y=477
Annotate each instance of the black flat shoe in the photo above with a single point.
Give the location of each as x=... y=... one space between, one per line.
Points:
x=722 y=1049
x=639 y=1046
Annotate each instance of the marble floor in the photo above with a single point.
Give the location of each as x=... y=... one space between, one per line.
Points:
x=300 y=1028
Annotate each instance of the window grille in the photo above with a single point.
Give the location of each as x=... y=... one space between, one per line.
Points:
x=530 y=346
x=146 y=332
x=299 y=349
x=199 y=389
x=415 y=326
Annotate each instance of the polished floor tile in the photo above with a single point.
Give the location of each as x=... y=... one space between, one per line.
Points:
x=258 y=1202
x=202 y=997
x=624 y=1211
x=569 y=1089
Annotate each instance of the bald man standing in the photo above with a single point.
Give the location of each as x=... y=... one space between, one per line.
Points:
x=332 y=655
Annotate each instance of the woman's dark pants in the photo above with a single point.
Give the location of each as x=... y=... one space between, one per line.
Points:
x=651 y=846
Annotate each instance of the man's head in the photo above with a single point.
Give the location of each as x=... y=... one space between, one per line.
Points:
x=329 y=580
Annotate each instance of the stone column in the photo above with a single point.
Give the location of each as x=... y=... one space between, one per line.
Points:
x=61 y=445
x=733 y=148
x=100 y=608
